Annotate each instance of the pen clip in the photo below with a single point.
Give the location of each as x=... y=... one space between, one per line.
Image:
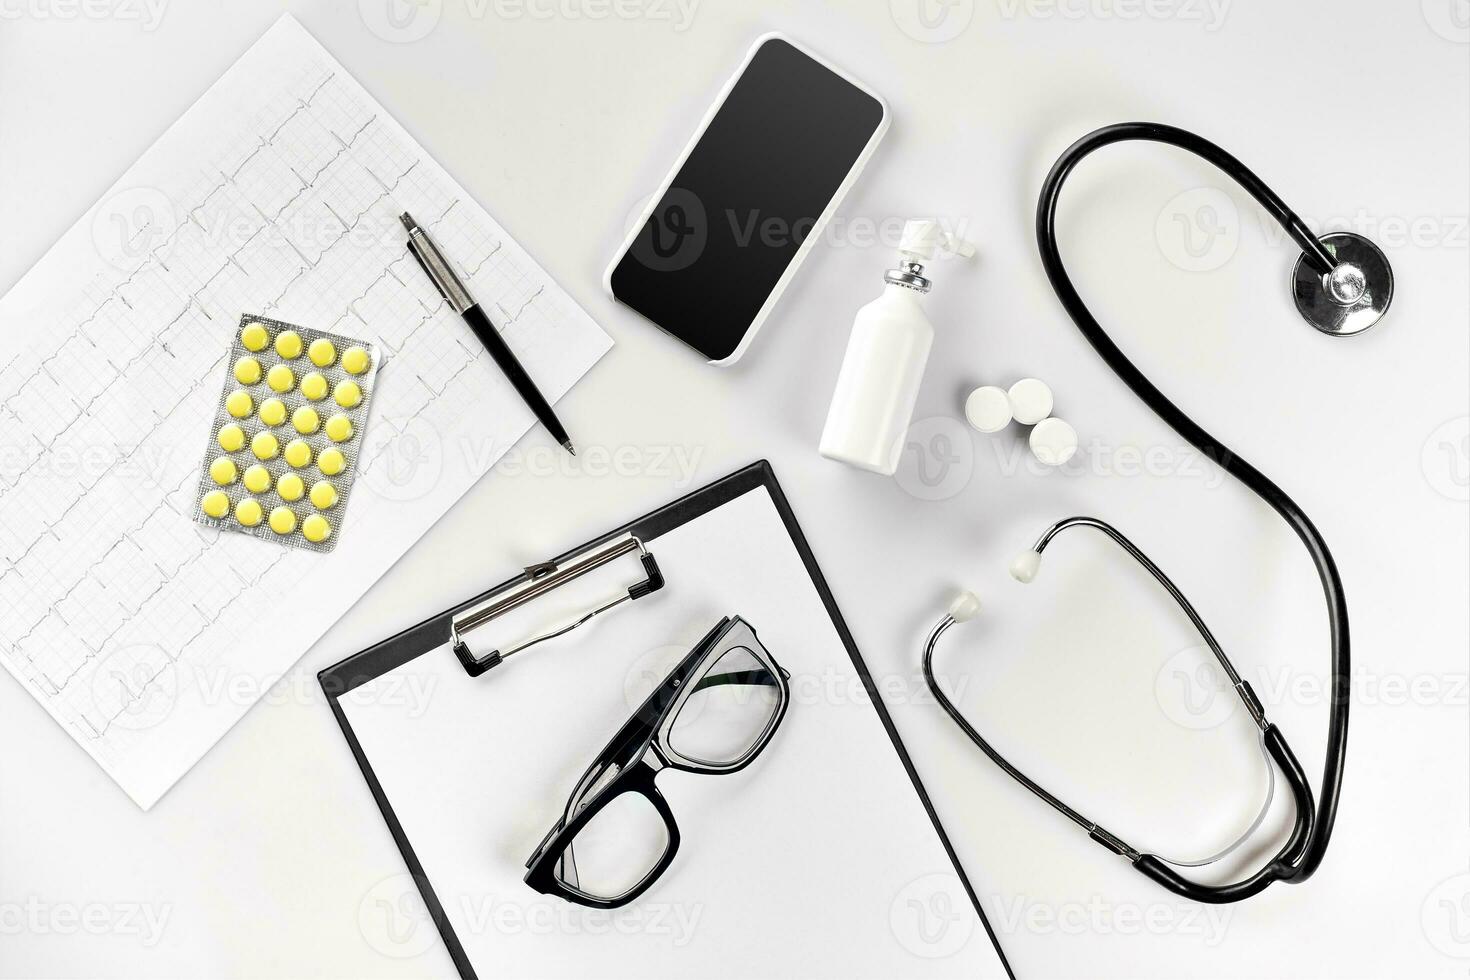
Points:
x=413 y=250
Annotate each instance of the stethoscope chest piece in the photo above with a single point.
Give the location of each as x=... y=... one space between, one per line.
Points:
x=1350 y=298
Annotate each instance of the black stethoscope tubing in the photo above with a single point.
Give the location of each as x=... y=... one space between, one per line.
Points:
x=1306 y=845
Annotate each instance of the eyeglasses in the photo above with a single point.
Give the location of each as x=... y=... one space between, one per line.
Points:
x=713 y=713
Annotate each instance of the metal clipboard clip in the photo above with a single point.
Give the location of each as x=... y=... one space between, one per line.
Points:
x=541 y=579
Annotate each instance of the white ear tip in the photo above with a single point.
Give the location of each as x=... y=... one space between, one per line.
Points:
x=964 y=607
x=1025 y=565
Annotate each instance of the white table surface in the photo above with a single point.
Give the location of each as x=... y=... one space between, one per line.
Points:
x=268 y=858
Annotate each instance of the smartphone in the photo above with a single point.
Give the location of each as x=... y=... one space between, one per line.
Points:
x=717 y=243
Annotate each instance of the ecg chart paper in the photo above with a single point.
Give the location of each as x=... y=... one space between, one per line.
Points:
x=145 y=634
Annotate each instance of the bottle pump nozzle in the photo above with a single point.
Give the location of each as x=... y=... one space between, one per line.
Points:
x=921 y=239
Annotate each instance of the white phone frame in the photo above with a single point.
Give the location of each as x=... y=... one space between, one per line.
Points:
x=822 y=219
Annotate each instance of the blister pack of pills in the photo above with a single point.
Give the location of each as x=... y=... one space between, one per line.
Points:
x=283 y=447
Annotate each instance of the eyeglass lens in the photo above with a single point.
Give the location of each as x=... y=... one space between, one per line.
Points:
x=733 y=700
x=616 y=849
x=731 y=705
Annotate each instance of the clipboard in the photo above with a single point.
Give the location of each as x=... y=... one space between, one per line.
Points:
x=920 y=914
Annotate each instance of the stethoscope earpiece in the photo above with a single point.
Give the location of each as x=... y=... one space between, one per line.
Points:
x=1025 y=566
x=964 y=607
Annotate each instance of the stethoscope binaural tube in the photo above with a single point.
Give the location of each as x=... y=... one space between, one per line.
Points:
x=1273 y=744
x=1325 y=267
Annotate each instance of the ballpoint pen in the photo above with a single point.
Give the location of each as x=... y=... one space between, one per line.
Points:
x=454 y=292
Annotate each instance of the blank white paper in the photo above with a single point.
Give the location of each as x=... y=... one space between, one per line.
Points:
x=818 y=860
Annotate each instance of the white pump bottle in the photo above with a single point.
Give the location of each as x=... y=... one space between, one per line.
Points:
x=884 y=365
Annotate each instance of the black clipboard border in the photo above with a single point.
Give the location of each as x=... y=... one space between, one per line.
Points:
x=410 y=644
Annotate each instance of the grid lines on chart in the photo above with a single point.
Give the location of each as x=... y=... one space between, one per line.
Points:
x=106 y=585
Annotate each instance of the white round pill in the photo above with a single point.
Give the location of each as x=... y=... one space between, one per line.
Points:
x=1053 y=441
x=1030 y=401
x=988 y=409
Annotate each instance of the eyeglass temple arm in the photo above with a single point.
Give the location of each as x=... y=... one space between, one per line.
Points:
x=755 y=678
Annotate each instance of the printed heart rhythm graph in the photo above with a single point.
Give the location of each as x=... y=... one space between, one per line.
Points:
x=143 y=633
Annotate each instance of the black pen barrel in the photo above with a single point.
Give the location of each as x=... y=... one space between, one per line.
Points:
x=485 y=330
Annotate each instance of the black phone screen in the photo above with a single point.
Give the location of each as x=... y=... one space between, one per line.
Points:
x=740 y=206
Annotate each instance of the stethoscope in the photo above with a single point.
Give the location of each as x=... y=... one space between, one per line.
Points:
x=1342 y=284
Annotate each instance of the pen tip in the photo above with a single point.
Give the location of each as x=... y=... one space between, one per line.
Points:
x=568 y=446
x=408 y=221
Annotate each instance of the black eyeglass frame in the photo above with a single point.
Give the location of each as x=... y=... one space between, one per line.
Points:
x=641 y=750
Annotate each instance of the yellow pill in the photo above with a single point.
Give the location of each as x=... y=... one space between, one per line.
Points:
x=316 y=529
x=355 y=360
x=273 y=411
x=280 y=378
x=348 y=394
x=306 y=420
x=331 y=462
x=239 y=404
x=298 y=453
x=257 y=478
x=247 y=371
x=339 y=428
x=322 y=352
x=265 y=445
x=323 y=495
x=223 y=471
x=288 y=344
x=215 y=504
x=290 y=487
x=248 y=512
x=314 y=386
x=282 y=520
x=231 y=438
x=254 y=336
